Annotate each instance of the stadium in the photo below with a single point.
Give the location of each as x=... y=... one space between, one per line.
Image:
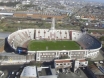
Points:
x=49 y=44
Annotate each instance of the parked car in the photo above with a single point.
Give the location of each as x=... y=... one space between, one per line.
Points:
x=2 y=75
x=12 y=72
x=17 y=73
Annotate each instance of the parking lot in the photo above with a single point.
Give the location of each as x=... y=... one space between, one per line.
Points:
x=11 y=71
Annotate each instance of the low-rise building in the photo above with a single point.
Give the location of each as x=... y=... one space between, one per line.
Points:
x=29 y=72
x=37 y=72
x=97 y=34
x=66 y=64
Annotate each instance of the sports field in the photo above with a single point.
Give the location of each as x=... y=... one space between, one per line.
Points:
x=52 y=45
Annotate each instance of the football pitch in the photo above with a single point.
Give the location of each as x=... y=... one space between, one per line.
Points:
x=52 y=45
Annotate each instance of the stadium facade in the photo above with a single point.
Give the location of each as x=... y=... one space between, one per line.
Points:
x=90 y=45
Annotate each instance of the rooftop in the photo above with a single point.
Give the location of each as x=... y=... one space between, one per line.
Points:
x=29 y=71
x=63 y=60
x=46 y=72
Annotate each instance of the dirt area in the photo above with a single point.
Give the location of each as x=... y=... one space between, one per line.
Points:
x=1 y=48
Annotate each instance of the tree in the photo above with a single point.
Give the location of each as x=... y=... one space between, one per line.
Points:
x=64 y=57
x=101 y=38
x=32 y=63
x=9 y=3
x=90 y=62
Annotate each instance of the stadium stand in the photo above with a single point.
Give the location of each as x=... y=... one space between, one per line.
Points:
x=89 y=42
x=21 y=38
x=55 y=34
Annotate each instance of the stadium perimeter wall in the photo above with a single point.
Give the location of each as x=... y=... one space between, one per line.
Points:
x=21 y=38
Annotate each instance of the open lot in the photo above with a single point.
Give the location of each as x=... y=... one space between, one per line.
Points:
x=13 y=24
x=53 y=45
x=1 y=45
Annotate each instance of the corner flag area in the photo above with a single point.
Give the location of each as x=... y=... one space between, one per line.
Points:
x=52 y=45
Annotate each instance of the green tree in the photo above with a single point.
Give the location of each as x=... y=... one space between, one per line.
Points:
x=9 y=3
x=32 y=63
x=101 y=38
x=64 y=57
x=90 y=62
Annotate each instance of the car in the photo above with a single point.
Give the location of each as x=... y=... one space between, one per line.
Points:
x=17 y=73
x=12 y=72
x=8 y=76
x=2 y=74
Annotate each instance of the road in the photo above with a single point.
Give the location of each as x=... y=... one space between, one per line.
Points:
x=4 y=35
x=8 y=69
x=95 y=29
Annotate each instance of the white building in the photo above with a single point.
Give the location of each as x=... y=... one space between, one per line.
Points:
x=26 y=2
x=36 y=72
x=66 y=64
x=29 y=72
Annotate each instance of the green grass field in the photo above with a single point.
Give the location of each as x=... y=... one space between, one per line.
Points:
x=52 y=45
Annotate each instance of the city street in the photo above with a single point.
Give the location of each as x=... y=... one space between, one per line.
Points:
x=100 y=56
x=8 y=69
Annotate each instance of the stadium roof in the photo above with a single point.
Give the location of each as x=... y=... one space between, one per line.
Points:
x=29 y=71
